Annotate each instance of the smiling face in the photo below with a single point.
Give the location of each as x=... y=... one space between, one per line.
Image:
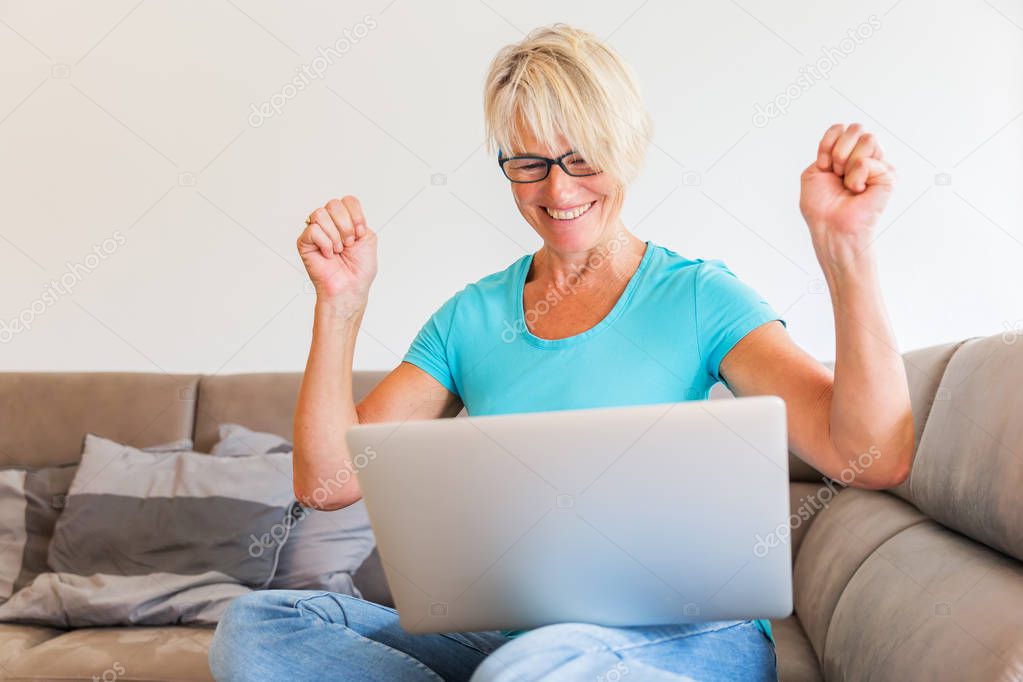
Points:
x=570 y=213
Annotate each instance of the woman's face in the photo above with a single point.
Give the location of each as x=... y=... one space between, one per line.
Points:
x=562 y=193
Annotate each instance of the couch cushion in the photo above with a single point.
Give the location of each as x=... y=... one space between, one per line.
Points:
x=968 y=471
x=806 y=502
x=131 y=653
x=924 y=369
x=840 y=539
x=797 y=661
x=16 y=639
x=263 y=402
x=134 y=408
x=372 y=582
x=929 y=604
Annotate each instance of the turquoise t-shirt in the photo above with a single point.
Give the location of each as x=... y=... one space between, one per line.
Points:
x=663 y=341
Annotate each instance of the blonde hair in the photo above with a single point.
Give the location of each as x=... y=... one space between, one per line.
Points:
x=563 y=80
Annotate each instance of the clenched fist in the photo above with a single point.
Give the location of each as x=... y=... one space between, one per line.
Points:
x=339 y=252
x=843 y=194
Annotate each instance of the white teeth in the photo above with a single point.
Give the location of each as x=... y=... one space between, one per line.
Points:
x=569 y=214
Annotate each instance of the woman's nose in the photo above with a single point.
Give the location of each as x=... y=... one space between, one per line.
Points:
x=560 y=186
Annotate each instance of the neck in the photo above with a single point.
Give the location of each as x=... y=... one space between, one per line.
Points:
x=614 y=256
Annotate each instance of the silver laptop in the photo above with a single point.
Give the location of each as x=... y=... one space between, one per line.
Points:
x=654 y=514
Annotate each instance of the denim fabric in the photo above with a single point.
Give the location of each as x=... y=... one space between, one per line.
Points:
x=307 y=635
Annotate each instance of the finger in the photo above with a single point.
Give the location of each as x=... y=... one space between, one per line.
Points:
x=865 y=172
x=864 y=148
x=326 y=222
x=342 y=221
x=844 y=146
x=357 y=214
x=878 y=151
x=320 y=238
x=827 y=142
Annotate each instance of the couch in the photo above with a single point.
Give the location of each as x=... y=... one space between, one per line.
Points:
x=924 y=582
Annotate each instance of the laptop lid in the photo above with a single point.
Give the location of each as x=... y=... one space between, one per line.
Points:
x=618 y=516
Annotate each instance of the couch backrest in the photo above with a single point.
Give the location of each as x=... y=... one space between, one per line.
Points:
x=44 y=416
x=925 y=582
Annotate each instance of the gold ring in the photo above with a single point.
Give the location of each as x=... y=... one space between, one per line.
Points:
x=309 y=220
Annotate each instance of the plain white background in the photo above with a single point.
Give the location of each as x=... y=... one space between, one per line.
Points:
x=134 y=166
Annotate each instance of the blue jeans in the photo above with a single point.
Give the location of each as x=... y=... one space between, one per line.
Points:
x=313 y=636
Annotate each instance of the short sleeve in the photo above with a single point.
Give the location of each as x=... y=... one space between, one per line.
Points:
x=726 y=310
x=429 y=350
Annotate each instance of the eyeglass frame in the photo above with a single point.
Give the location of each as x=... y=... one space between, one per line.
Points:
x=549 y=161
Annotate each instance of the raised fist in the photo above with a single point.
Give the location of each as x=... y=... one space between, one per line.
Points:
x=339 y=252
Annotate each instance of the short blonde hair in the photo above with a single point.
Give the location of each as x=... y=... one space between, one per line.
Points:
x=561 y=79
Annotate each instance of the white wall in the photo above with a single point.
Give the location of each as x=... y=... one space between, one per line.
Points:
x=131 y=124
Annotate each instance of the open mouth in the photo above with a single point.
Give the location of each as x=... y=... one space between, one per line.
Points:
x=571 y=214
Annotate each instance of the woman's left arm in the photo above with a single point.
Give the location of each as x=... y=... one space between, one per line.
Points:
x=855 y=424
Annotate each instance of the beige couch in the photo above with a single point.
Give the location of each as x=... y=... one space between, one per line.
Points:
x=922 y=584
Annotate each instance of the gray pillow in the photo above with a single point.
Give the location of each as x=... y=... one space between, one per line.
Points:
x=157 y=538
x=30 y=502
x=325 y=549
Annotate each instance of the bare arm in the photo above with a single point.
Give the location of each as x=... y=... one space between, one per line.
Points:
x=857 y=421
x=325 y=477
x=339 y=254
x=767 y=362
x=325 y=410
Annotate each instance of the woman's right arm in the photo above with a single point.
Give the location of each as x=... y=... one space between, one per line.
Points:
x=339 y=253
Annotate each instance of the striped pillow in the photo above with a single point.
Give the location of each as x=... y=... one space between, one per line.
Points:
x=158 y=538
x=325 y=548
x=30 y=502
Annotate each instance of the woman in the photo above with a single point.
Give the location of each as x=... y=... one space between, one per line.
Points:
x=596 y=317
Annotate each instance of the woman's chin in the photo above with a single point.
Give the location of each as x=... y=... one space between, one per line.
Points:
x=573 y=235
x=571 y=240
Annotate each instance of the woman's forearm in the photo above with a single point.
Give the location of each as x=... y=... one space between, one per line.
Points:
x=323 y=473
x=870 y=407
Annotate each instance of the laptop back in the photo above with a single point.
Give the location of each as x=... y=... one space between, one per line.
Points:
x=617 y=516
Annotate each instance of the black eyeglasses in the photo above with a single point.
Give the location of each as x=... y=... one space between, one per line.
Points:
x=536 y=168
